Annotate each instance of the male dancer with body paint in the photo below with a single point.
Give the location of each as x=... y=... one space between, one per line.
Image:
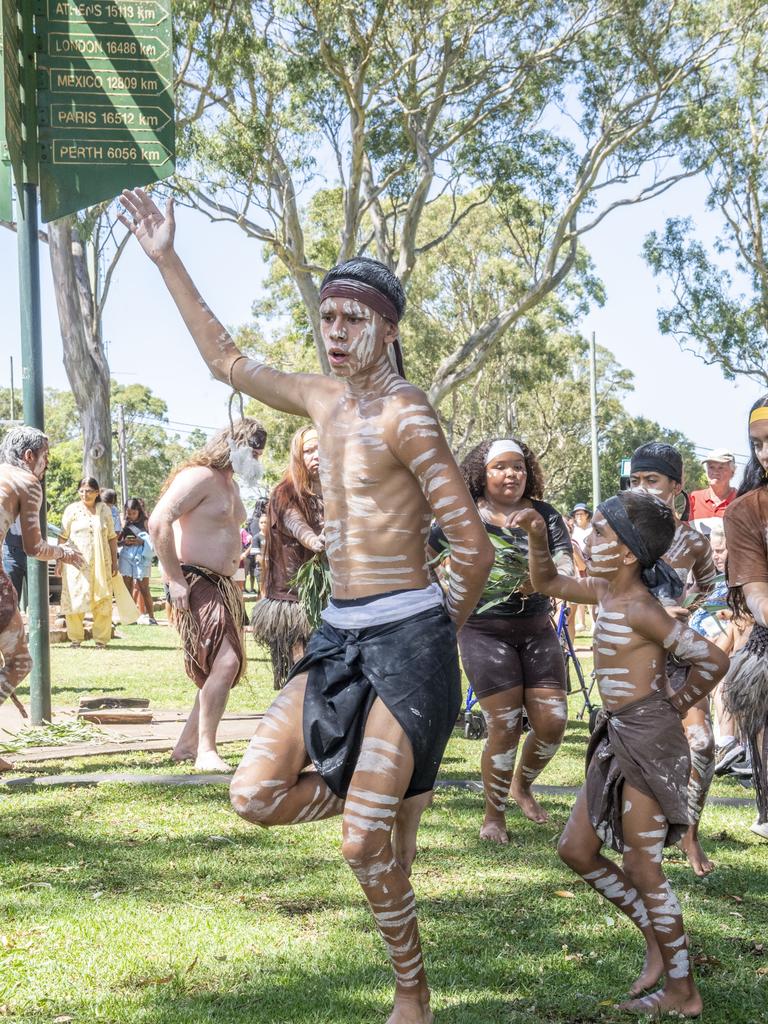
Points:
x=23 y=462
x=374 y=700
x=634 y=798
x=657 y=469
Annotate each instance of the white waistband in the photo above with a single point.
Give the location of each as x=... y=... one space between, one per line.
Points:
x=384 y=609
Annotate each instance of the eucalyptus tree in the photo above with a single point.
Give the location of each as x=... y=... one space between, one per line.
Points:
x=719 y=307
x=551 y=114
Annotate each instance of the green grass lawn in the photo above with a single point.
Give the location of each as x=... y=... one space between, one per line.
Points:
x=128 y=904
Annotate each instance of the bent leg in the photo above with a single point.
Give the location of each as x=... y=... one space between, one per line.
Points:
x=645 y=830
x=701 y=742
x=270 y=786
x=383 y=772
x=579 y=847
x=547 y=710
x=503 y=715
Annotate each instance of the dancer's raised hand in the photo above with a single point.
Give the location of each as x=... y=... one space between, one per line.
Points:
x=153 y=230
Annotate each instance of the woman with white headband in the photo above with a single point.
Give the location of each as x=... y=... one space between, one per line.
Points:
x=510 y=652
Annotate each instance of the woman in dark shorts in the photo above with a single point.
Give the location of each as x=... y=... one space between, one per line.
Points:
x=510 y=652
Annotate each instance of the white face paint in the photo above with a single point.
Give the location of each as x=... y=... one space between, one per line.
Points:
x=353 y=335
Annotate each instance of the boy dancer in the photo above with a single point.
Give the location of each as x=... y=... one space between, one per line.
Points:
x=373 y=702
x=657 y=469
x=634 y=798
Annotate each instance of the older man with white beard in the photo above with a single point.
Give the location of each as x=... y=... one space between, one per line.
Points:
x=195 y=529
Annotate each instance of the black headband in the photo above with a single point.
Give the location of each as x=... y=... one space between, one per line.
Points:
x=655 y=464
x=660 y=578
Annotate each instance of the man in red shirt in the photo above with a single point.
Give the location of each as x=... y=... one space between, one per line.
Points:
x=709 y=505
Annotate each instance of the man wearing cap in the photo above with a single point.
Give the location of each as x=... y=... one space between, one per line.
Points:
x=373 y=702
x=708 y=506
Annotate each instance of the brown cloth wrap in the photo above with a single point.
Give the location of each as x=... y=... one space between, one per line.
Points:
x=215 y=614
x=642 y=744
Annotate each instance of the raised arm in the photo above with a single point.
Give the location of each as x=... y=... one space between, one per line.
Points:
x=296 y=524
x=185 y=493
x=545 y=577
x=35 y=545
x=419 y=443
x=708 y=663
x=287 y=392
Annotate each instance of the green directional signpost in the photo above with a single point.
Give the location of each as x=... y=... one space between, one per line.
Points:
x=87 y=110
x=105 y=100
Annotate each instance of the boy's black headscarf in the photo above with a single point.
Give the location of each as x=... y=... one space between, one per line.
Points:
x=660 y=578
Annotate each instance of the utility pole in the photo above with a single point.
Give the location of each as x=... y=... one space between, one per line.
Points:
x=593 y=422
x=121 y=447
x=13 y=396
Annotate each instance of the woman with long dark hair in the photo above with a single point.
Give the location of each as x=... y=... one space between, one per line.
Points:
x=294 y=534
x=135 y=558
x=510 y=651
x=745 y=688
x=87 y=525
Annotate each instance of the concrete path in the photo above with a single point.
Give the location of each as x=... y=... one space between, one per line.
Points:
x=159 y=734
x=197 y=779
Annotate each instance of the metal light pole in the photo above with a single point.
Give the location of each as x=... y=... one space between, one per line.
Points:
x=32 y=365
x=121 y=447
x=593 y=420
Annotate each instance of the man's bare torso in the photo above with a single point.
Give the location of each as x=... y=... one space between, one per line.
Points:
x=209 y=534
x=377 y=518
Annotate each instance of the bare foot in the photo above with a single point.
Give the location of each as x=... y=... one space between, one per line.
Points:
x=658 y=1003
x=211 y=762
x=404 y=833
x=411 y=1011
x=525 y=800
x=179 y=754
x=5 y=766
x=653 y=968
x=700 y=862
x=494 y=830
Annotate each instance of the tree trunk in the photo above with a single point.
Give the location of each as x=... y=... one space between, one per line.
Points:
x=84 y=359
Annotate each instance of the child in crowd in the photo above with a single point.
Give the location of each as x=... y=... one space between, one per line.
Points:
x=635 y=796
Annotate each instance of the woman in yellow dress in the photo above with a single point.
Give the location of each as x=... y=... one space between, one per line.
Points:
x=87 y=524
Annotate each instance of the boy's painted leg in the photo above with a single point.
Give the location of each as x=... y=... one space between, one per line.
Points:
x=580 y=847
x=645 y=830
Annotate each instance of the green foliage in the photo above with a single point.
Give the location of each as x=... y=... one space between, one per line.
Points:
x=719 y=307
x=65 y=469
x=547 y=115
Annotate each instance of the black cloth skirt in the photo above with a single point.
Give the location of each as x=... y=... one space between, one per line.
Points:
x=411 y=665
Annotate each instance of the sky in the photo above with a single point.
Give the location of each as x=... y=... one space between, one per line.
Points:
x=148 y=344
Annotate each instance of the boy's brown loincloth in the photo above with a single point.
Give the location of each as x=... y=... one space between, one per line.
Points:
x=644 y=745
x=215 y=614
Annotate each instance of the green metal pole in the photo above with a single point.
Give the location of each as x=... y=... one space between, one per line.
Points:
x=32 y=365
x=32 y=390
